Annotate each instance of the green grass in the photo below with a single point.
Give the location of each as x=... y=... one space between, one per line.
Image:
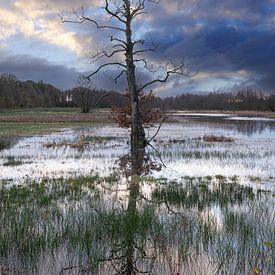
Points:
x=40 y=110
x=28 y=121
x=29 y=128
x=47 y=111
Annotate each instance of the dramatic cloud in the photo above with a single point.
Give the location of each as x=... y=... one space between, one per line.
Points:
x=231 y=43
x=28 y=68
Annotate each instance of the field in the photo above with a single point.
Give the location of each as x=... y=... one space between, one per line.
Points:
x=45 y=120
x=204 y=203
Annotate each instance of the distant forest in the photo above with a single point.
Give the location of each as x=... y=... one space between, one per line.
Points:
x=25 y=94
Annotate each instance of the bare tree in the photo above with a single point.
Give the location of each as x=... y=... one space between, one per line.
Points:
x=84 y=93
x=122 y=14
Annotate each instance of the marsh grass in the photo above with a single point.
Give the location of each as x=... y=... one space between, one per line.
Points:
x=15 y=129
x=81 y=142
x=12 y=161
x=4 y=144
x=83 y=147
x=98 y=223
x=206 y=223
x=212 y=138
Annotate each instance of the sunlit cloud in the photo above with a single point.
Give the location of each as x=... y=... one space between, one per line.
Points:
x=37 y=21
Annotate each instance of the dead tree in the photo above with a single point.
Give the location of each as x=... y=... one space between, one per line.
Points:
x=130 y=54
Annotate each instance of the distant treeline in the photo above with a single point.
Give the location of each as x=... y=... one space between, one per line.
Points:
x=21 y=94
x=16 y=94
x=242 y=101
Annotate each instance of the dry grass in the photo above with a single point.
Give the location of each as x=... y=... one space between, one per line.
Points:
x=79 y=144
x=212 y=138
x=37 y=121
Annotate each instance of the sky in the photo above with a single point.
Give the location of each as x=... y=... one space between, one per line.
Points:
x=229 y=45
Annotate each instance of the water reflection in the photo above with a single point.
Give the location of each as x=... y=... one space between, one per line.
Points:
x=244 y=127
x=126 y=221
x=6 y=143
x=128 y=248
x=74 y=153
x=133 y=223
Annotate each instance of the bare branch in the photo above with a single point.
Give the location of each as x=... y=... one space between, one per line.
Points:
x=106 y=65
x=165 y=117
x=81 y=18
x=121 y=73
x=141 y=6
x=175 y=69
x=114 y=14
x=119 y=45
x=141 y=41
x=118 y=40
x=150 y=68
x=158 y=154
x=103 y=53
x=139 y=13
x=138 y=8
x=103 y=96
x=146 y=50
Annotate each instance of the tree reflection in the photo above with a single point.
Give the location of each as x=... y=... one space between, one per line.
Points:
x=180 y=232
x=131 y=249
x=133 y=223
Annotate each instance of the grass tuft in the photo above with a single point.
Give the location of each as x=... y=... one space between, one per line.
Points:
x=212 y=138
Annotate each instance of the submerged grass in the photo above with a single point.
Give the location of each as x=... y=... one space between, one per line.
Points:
x=75 y=224
x=4 y=144
x=81 y=142
x=12 y=161
x=212 y=138
x=103 y=225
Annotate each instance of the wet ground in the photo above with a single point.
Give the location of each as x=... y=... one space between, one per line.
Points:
x=201 y=206
x=180 y=146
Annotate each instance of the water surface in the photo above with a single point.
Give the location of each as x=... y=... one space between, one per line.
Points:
x=69 y=204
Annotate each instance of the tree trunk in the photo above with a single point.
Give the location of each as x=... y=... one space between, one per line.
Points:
x=137 y=130
x=137 y=161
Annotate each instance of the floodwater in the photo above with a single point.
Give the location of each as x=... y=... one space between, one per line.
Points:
x=180 y=146
x=69 y=204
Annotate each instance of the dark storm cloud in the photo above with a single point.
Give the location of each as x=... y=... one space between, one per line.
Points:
x=28 y=68
x=219 y=37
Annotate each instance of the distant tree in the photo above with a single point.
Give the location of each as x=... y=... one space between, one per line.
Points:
x=15 y=93
x=9 y=79
x=9 y=85
x=83 y=94
x=271 y=103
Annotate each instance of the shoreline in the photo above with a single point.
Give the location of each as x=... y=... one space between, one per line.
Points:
x=233 y=113
x=53 y=115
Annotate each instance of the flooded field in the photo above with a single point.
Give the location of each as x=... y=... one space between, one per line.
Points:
x=203 y=202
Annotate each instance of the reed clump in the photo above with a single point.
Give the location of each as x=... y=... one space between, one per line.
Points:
x=213 y=138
